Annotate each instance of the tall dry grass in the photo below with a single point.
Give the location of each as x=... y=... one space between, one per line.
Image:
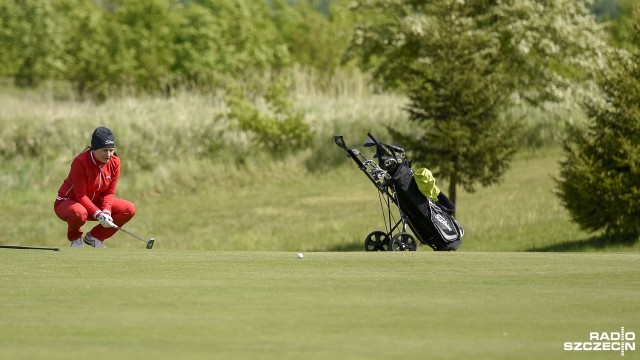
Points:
x=199 y=182
x=158 y=137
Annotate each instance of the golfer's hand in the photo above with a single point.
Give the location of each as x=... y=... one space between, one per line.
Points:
x=105 y=220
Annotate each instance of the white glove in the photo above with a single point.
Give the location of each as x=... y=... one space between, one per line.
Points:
x=105 y=219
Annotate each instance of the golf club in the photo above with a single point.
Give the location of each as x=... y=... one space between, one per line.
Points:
x=29 y=247
x=148 y=242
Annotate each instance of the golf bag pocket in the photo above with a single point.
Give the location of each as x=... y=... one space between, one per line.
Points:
x=448 y=228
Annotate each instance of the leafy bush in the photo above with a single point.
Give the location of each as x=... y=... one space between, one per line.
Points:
x=277 y=128
x=29 y=36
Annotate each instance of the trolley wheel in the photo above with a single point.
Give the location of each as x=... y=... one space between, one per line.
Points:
x=376 y=241
x=403 y=242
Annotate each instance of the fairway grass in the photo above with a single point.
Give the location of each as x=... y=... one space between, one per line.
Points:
x=182 y=304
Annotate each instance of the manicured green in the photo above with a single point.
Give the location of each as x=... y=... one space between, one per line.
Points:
x=160 y=304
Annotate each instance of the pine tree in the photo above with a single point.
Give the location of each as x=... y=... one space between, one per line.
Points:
x=599 y=182
x=456 y=100
x=463 y=63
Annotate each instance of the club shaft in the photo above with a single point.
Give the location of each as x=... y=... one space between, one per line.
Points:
x=132 y=234
x=28 y=247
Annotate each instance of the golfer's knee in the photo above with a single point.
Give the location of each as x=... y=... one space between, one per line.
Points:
x=78 y=214
x=131 y=209
x=127 y=211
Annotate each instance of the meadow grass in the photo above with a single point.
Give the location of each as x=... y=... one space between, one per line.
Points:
x=199 y=184
x=286 y=208
x=160 y=304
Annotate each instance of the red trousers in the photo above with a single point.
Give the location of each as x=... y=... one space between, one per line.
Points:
x=76 y=215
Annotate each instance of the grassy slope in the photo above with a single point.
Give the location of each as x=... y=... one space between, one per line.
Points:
x=187 y=202
x=132 y=304
x=287 y=209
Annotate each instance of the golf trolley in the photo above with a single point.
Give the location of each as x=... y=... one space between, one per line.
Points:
x=393 y=178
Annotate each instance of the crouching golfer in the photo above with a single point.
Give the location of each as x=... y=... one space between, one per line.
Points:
x=88 y=193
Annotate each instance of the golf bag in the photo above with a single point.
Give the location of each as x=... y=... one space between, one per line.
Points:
x=431 y=224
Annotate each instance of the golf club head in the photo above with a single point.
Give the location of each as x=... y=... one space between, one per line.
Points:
x=369 y=143
x=150 y=243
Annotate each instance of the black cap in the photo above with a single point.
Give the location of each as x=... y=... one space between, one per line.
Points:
x=102 y=138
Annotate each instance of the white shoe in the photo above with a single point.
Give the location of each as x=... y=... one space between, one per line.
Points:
x=90 y=240
x=77 y=243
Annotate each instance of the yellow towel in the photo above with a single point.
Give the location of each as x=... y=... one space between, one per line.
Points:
x=426 y=183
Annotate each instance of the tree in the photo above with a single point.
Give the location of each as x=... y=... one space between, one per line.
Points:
x=248 y=38
x=599 y=182
x=617 y=16
x=84 y=54
x=145 y=30
x=316 y=33
x=197 y=46
x=30 y=41
x=463 y=63
x=456 y=98
x=127 y=46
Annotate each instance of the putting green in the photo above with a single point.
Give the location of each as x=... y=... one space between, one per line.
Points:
x=159 y=304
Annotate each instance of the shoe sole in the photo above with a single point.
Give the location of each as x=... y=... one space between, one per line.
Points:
x=92 y=245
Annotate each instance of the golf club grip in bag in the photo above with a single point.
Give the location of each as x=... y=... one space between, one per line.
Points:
x=431 y=224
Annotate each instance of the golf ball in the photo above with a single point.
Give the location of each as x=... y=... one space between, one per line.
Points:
x=300 y=255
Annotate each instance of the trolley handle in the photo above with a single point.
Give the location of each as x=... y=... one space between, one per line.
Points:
x=352 y=153
x=339 y=140
x=390 y=149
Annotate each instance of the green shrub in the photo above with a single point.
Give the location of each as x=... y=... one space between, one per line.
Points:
x=277 y=128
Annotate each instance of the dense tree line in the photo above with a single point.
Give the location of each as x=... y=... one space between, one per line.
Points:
x=156 y=45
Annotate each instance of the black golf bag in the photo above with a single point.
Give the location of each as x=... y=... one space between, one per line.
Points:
x=392 y=176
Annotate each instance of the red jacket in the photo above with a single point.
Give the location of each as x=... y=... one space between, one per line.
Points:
x=91 y=183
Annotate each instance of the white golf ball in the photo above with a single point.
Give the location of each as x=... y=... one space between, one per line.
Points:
x=300 y=255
